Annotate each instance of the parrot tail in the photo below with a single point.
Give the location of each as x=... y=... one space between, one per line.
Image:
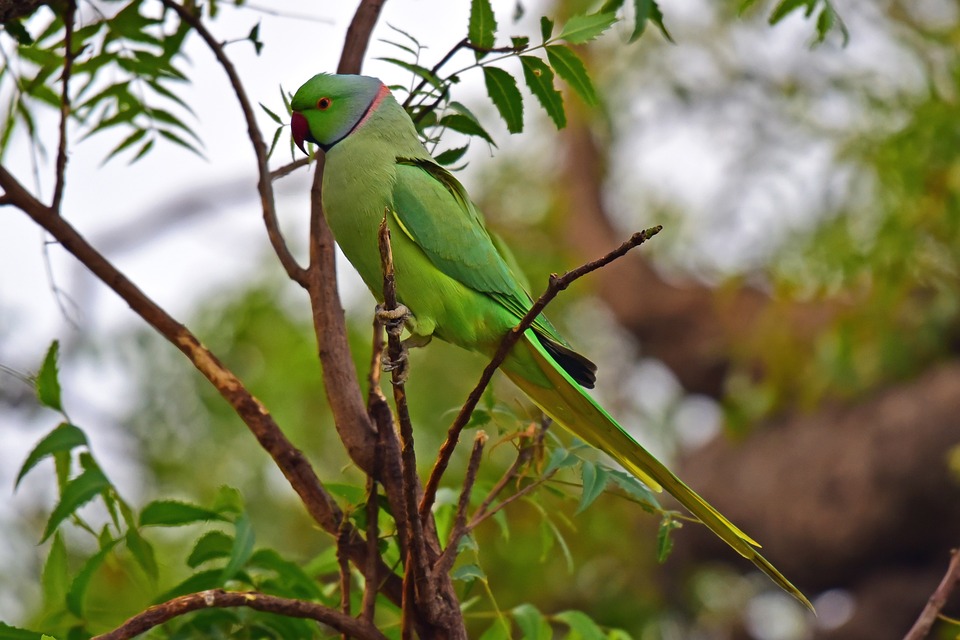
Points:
x=564 y=401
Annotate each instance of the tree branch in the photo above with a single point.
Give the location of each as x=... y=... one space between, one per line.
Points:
x=928 y=616
x=319 y=504
x=445 y=562
x=417 y=560
x=61 y=167
x=218 y=598
x=264 y=182
x=555 y=286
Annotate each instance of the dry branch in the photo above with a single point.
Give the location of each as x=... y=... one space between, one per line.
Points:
x=218 y=598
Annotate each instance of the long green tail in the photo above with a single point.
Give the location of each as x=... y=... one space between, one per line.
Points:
x=572 y=408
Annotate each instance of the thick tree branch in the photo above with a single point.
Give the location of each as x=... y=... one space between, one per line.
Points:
x=555 y=285
x=264 y=182
x=218 y=598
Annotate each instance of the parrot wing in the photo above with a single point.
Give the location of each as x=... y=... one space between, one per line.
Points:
x=432 y=208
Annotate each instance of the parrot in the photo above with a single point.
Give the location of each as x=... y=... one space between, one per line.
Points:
x=455 y=278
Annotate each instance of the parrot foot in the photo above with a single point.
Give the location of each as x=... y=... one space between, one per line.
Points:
x=393 y=319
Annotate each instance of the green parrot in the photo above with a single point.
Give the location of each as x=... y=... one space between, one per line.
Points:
x=453 y=275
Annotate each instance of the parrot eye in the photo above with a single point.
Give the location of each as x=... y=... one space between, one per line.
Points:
x=324 y=103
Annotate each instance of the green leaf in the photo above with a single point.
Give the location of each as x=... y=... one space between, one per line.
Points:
x=417 y=70
x=242 y=547
x=502 y=89
x=594 y=480
x=47 y=384
x=539 y=79
x=559 y=459
x=664 y=541
x=295 y=578
x=465 y=124
x=634 y=488
x=55 y=578
x=483 y=26
x=142 y=552
x=648 y=10
x=569 y=66
x=228 y=500
x=447 y=158
x=468 y=573
x=15 y=633
x=62 y=439
x=75 y=494
x=272 y=115
x=531 y=622
x=143 y=150
x=583 y=28
x=16 y=29
x=786 y=7
x=546 y=28
x=78 y=588
x=500 y=630
x=611 y=5
x=582 y=627
x=129 y=141
x=172 y=513
x=549 y=533
x=519 y=42
x=254 y=37
x=210 y=546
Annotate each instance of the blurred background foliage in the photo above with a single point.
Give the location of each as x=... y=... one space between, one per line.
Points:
x=824 y=182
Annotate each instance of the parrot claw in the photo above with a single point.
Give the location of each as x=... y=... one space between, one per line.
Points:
x=401 y=365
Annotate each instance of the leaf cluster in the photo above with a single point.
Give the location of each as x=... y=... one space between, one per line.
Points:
x=124 y=76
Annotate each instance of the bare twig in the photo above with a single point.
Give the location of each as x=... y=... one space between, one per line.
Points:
x=523 y=456
x=289 y=168
x=319 y=503
x=921 y=628
x=61 y=167
x=445 y=561
x=264 y=182
x=218 y=598
x=555 y=286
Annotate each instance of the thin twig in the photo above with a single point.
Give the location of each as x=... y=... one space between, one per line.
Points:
x=555 y=286
x=921 y=628
x=289 y=168
x=264 y=182
x=433 y=72
x=418 y=549
x=370 y=573
x=463 y=44
x=523 y=456
x=445 y=561
x=61 y=167
x=218 y=598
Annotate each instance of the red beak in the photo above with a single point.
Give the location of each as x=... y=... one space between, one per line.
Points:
x=299 y=129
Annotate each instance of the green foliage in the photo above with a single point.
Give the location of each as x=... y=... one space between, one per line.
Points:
x=124 y=76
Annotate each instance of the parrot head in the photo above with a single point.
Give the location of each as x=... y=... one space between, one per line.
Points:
x=328 y=107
